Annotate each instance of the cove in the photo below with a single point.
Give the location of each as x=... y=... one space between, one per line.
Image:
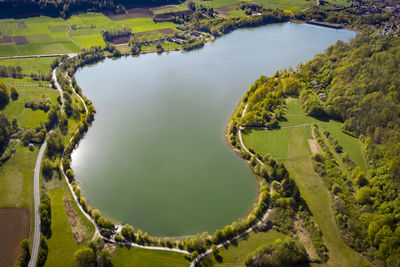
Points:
x=155 y=156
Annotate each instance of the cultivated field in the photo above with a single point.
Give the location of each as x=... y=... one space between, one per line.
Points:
x=14 y=227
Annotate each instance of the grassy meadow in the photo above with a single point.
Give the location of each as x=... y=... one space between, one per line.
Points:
x=290 y=145
x=63 y=255
x=39 y=65
x=26 y=117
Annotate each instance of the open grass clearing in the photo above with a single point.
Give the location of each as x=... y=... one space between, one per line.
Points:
x=16 y=178
x=124 y=256
x=147 y=24
x=274 y=143
x=318 y=198
x=87 y=41
x=235 y=255
x=298 y=161
x=218 y=3
x=170 y=8
x=292 y=5
x=27 y=117
x=296 y=116
x=60 y=255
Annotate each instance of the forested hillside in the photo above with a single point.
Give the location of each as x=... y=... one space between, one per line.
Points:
x=357 y=83
x=64 y=8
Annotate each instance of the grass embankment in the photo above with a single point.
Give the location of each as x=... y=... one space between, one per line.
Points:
x=124 y=256
x=298 y=161
x=235 y=254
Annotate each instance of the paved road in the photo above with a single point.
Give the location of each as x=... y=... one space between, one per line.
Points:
x=36 y=196
x=45 y=55
x=36 y=186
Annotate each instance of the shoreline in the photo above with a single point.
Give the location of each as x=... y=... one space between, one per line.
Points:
x=225 y=131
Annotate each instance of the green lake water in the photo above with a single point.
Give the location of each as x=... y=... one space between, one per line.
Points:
x=155 y=156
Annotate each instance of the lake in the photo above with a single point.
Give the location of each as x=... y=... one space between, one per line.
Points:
x=155 y=156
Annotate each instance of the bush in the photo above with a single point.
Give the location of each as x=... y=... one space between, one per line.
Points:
x=25 y=254
x=14 y=94
x=128 y=232
x=280 y=253
x=43 y=251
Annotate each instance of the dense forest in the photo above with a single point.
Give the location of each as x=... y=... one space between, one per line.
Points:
x=64 y=8
x=357 y=83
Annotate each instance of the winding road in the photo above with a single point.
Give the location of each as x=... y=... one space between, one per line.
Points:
x=36 y=184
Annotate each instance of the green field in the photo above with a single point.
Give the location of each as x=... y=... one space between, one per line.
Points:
x=235 y=255
x=89 y=26
x=318 y=198
x=175 y=8
x=45 y=35
x=274 y=143
x=30 y=65
x=16 y=178
x=27 y=117
x=62 y=245
x=298 y=161
x=296 y=116
x=292 y=5
x=124 y=256
x=219 y=3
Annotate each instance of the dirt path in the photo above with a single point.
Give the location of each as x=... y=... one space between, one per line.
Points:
x=319 y=200
x=69 y=37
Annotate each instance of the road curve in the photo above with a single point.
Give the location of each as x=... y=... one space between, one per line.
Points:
x=36 y=197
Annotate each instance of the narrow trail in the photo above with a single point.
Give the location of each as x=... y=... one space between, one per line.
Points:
x=28 y=85
x=69 y=37
x=252 y=228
